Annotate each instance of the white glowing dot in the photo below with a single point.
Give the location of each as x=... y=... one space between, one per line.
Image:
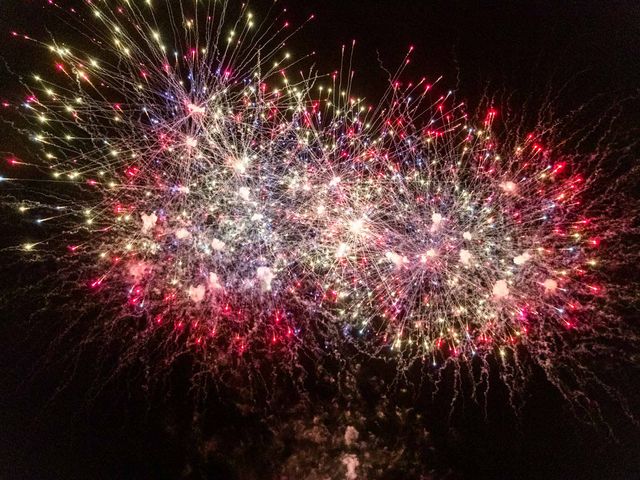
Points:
x=550 y=285
x=217 y=245
x=500 y=289
x=342 y=250
x=509 y=186
x=148 y=222
x=182 y=233
x=465 y=256
x=522 y=259
x=266 y=276
x=214 y=282
x=244 y=193
x=356 y=226
x=396 y=259
x=196 y=294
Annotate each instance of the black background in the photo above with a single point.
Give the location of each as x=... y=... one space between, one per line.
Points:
x=585 y=50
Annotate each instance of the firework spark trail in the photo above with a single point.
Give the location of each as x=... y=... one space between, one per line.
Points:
x=447 y=244
x=213 y=191
x=469 y=246
x=193 y=168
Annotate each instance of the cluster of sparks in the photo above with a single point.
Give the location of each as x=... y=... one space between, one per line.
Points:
x=199 y=181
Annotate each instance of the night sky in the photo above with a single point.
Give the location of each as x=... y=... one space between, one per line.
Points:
x=72 y=419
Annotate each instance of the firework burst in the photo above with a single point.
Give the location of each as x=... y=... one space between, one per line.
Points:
x=210 y=192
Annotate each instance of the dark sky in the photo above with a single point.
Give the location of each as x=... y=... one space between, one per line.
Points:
x=521 y=46
x=586 y=49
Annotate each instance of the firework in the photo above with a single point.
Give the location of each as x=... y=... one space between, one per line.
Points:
x=186 y=172
x=214 y=194
x=458 y=244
